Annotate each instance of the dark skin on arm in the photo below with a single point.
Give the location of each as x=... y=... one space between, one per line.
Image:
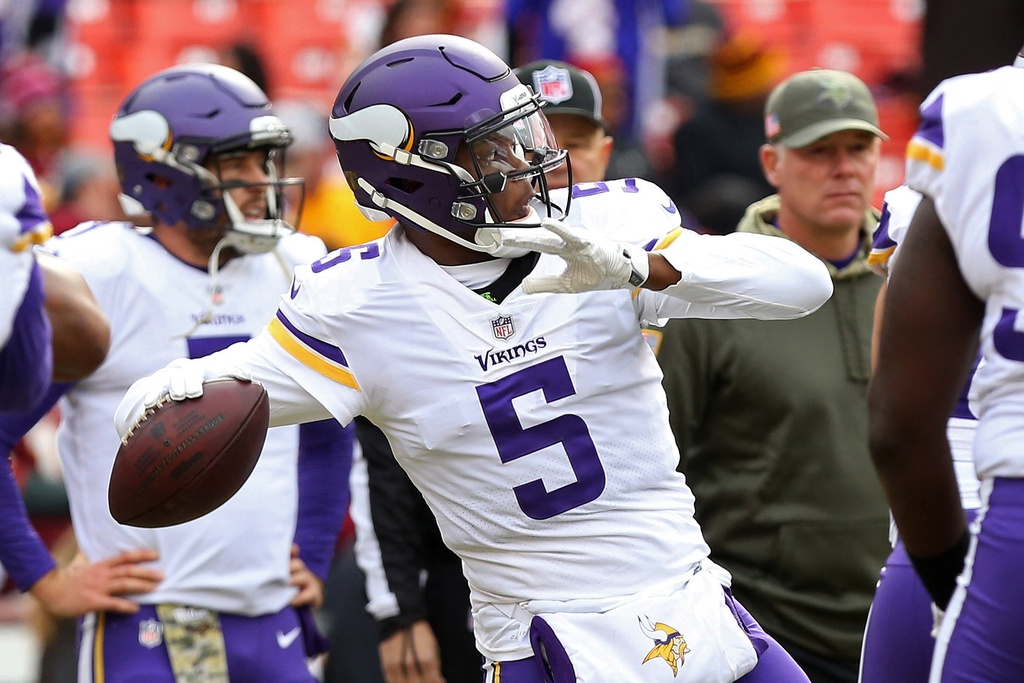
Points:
x=928 y=343
x=81 y=333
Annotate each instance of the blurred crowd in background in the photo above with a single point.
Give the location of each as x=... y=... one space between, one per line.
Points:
x=684 y=85
x=684 y=81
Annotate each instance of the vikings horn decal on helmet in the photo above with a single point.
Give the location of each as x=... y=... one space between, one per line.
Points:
x=400 y=119
x=179 y=119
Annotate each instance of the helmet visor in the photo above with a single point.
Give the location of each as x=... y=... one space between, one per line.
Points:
x=515 y=144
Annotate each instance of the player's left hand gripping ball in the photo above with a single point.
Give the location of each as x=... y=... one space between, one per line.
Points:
x=185 y=458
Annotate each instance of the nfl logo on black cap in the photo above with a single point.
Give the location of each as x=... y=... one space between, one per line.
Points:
x=502 y=327
x=553 y=84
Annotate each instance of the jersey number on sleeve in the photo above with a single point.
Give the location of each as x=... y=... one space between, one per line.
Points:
x=370 y=250
x=1006 y=244
x=514 y=441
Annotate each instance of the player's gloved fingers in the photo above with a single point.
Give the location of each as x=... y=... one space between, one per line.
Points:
x=177 y=386
x=185 y=379
x=541 y=284
x=139 y=396
x=570 y=235
x=534 y=239
x=239 y=372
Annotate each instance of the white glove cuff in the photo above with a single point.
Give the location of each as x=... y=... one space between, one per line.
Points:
x=639 y=263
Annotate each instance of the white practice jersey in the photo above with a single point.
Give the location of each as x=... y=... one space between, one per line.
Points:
x=22 y=224
x=236 y=558
x=968 y=156
x=898 y=209
x=537 y=428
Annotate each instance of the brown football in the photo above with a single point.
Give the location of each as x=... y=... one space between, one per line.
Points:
x=187 y=458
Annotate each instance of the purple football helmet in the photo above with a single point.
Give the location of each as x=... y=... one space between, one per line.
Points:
x=403 y=114
x=178 y=120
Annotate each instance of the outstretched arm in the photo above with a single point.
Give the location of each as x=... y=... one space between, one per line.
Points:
x=719 y=276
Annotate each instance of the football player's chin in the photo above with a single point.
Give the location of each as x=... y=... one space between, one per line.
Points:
x=520 y=208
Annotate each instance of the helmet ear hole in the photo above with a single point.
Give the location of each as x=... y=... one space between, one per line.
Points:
x=161 y=182
x=406 y=185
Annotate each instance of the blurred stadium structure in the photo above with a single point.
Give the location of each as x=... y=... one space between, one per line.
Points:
x=309 y=46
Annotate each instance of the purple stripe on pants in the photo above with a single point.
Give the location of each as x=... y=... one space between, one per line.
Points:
x=986 y=641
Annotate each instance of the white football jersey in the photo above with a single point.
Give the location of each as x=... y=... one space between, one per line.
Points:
x=536 y=428
x=898 y=208
x=23 y=223
x=234 y=559
x=968 y=156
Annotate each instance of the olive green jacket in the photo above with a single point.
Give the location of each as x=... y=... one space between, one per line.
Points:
x=772 y=426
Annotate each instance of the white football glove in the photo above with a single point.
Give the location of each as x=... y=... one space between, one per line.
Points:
x=179 y=380
x=592 y=262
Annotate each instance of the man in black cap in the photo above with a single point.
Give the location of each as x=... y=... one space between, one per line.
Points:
x=574 y=111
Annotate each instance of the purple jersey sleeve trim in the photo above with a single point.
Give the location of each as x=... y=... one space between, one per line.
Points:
x=326 y=350
x=930 y=128
x=31 y=215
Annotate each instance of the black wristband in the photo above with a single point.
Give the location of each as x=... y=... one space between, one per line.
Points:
x=392 y=625
x=938 y=574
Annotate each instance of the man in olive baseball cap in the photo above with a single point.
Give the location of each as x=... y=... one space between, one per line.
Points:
x=573 y=108
x=822 y=154
x=812 y=104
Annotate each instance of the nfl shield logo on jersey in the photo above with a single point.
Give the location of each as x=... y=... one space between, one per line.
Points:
x=553 y=84
x=151 y=633
x=502 y=327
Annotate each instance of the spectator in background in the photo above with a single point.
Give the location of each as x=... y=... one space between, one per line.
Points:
x=244 y=56
x=34 y=117
x=616 y=41
x=328 y=209
x=407 y=18
x=771 y=417
x=613 y=39
x=88 y=191
x=717 y=174
x=688 y=49
x=36 y=26
x=574 y=110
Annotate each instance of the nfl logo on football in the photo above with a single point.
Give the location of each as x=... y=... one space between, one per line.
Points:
x=502 y=327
